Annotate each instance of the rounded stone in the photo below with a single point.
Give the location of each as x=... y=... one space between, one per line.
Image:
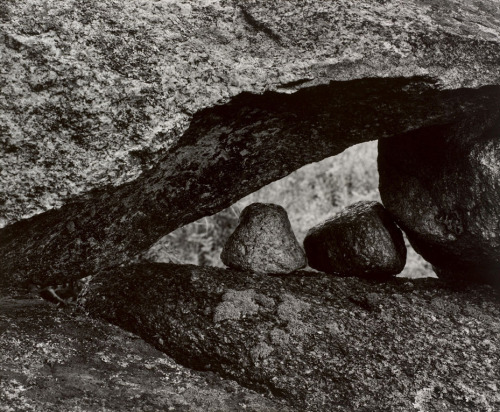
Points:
x=263 y=242
x=362 y=240
x=442 y=185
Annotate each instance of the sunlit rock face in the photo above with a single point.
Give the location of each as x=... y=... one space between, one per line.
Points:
x=143 y=117
x=442 y=184
x=92 y=93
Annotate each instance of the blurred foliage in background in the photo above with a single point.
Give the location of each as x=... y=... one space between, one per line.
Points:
x=310 y=195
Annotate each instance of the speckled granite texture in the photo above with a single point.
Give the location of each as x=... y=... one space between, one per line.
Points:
x=92 y=91
x=320 y=342
x=198 y=104
x=54 y=359
x=263 y=242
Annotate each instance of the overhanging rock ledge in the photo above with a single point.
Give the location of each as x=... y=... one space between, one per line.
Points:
x=139 y=109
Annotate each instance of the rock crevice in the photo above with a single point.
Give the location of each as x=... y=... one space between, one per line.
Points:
x=228 y=152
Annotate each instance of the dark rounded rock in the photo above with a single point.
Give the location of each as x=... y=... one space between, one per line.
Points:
x=442 y=185
x=263 y=242
x=362 y=241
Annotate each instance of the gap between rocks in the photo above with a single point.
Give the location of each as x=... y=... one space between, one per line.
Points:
x=228 y=152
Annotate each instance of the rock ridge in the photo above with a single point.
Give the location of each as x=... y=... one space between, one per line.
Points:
x=321 y=343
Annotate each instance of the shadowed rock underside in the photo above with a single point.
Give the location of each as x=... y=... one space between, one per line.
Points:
x=228 y=152
x=442 y=185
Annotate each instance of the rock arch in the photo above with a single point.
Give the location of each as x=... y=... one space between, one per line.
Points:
x=227 y=152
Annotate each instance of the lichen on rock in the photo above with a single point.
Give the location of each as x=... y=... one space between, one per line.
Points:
x=236 y=305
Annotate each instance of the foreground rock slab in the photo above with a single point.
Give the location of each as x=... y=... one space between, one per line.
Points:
x=58 y=360
x=447 y=199
x=320 y=343
x=362 y=240
x=263 y=242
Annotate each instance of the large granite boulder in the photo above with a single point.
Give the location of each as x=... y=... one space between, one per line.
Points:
x=447 y=199
x=93 y=93
x=263 y=242
x=172 y=111
x=362 y=240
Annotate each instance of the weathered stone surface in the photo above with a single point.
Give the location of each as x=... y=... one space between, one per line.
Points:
x=58 y=360
x=263 y=242
x=447 y=199
x=94 y=94
x=362 y=240
x=321 y=343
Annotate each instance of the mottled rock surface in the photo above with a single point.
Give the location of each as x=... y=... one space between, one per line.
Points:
x=61 y=360
x=447 y=199
x=92 y=92
x=361 y=240
x=263 y=242
x=320 y=343
x=167 y=96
